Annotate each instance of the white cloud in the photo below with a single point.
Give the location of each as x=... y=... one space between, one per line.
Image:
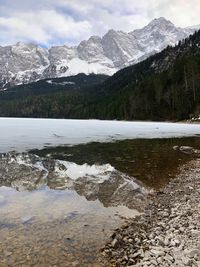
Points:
x=70 y=21
x=44 y=27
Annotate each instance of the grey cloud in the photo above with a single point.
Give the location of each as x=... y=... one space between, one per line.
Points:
x=49 y=21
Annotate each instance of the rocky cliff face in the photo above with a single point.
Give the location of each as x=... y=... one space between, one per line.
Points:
x=24 y=63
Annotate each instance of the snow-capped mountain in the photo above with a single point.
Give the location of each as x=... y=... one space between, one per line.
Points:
x=24 y=63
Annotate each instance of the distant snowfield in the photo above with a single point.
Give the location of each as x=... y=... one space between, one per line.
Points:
x=21 y=134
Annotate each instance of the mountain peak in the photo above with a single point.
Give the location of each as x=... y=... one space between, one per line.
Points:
x=21 y=44
x=114 y=51
x=160 y=21
x=95 y=38
x=111 y=32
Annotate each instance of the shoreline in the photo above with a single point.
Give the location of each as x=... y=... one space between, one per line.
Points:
x=168 y=232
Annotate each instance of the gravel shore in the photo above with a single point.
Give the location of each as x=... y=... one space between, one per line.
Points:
x=168 y=233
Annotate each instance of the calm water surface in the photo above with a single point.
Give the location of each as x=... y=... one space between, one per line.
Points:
x=53 y=228
x=41 y=225
x=152 y=161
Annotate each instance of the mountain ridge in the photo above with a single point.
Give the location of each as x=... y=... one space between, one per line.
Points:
x=165 y=86
x=24 y=63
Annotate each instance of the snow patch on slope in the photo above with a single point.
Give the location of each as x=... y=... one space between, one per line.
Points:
x=24 y=63
x=77 y=66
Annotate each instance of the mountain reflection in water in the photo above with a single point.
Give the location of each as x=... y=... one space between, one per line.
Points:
x=58 y=208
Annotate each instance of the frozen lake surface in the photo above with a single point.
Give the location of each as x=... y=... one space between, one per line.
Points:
x=21 y=134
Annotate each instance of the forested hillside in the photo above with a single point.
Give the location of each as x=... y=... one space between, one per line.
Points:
x=166 y=86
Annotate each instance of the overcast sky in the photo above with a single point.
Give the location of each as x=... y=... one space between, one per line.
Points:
x=54 y=22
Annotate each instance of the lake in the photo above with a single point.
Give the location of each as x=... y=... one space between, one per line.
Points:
x=65 y=185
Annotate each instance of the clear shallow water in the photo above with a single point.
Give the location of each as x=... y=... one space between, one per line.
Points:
x=60 y=214
x=42 y=225
x=49 y=227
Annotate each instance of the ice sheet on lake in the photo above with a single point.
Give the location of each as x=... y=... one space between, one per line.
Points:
x=25 y=134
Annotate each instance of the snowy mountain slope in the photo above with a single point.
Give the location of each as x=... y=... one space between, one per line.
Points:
x=24 y=63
